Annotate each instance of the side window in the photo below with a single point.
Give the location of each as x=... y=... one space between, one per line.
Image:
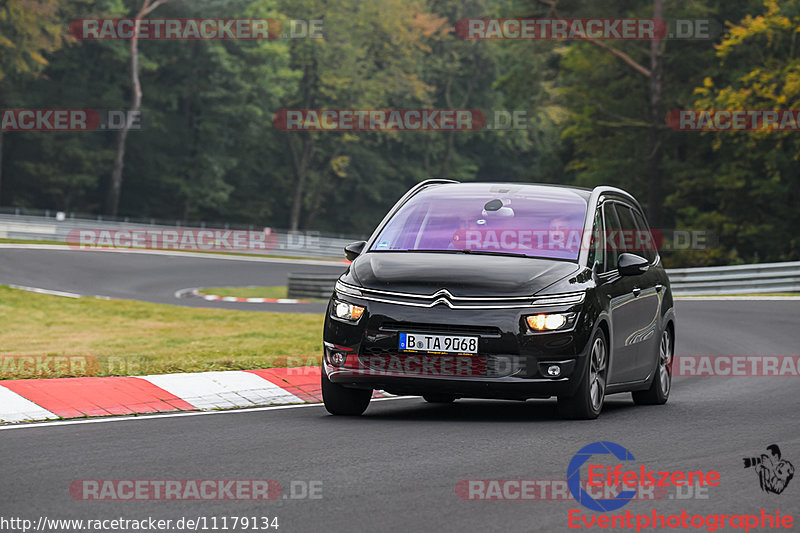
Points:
x=597 y=244
x=645 y=237
x=612 y=234
x=627 y=240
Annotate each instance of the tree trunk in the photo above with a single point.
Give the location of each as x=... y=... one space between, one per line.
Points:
x=300 y=160
x=655 y=142
x=112 y=199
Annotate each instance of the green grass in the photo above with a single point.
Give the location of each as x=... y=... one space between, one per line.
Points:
x=247 y=292
x=120 y=337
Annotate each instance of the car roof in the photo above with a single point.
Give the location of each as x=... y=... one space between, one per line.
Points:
x=505 y=187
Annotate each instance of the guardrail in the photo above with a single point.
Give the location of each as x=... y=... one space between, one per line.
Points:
x=51 y=226
x=311 y=285
x=739 y=279
x=57 y=226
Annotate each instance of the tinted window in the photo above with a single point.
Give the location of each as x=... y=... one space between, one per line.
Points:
x=632 y=239
x=596 y=255
x=612 y=232
x=646 y=236
x=626 y=240
x=537 y=222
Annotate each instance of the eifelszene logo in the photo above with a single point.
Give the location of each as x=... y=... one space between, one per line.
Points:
x=616 y=476
x=773 y=472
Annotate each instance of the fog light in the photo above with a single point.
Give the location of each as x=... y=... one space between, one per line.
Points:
x=553 y=371
x=338 y=359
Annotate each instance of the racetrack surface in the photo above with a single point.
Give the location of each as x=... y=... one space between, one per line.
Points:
x=396 y=468
x=153 y=277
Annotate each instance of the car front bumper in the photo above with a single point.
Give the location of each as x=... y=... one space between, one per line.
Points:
x=511 y=363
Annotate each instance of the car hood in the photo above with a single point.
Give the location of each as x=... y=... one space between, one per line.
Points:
x=467 y=275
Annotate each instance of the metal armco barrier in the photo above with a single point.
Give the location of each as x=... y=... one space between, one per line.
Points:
x=738 y=279
x=281 y=242
x=311 y=285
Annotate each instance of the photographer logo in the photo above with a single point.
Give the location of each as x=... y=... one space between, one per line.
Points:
x=774 y=473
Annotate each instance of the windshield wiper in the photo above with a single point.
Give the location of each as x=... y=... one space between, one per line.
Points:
x=487 y=252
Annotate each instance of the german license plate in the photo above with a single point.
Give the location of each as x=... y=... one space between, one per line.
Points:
x=438 y=344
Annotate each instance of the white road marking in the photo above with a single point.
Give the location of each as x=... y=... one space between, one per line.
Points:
x=133 y=418
x=15 y=408
x=46 y=291
x=223 y=390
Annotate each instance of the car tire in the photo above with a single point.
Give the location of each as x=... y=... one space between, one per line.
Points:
x=439 y=398
x=659 y=390
x=587 y=402
x=343 y=401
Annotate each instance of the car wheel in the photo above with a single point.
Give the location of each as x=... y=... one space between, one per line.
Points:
x=587 y=402
x=439 y=398
x=343 y=401
x=658 y=393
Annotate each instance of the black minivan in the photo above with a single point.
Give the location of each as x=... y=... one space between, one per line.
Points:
x=508 y=291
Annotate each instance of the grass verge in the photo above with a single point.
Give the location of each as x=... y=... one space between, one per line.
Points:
x=247 y=292
x=51 y=336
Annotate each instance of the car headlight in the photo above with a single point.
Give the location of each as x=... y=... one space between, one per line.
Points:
x=550 y=322
x=347 y=289
x=347 y=311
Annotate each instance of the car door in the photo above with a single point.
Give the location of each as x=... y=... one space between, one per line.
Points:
x=640 y=313
x=652 y=294
x=618 y=291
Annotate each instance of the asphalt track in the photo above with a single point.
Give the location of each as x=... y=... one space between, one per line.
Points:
x=396 y=468
x=153 y=277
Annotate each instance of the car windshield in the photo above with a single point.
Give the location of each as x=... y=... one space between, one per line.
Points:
x=545 y=222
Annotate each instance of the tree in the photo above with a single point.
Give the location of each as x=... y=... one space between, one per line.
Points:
x=112 y=200
x=369 y=57
x=28 y=31
x=755 y=185
x=655 y=116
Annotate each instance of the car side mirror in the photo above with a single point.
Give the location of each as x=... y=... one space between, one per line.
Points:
x=632 y=265
x=354 y=249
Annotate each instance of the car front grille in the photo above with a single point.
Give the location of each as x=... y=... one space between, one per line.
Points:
x=421 y=327
x=390 y=360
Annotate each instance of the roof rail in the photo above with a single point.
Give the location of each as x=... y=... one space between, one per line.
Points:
x=605 y=189
x=427 y=183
